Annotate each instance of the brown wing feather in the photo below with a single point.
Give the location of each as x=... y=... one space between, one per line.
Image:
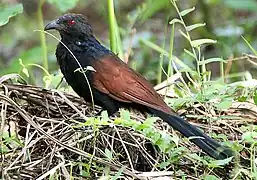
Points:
x=115 y=78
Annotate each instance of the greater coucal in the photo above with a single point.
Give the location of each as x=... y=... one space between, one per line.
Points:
x=114 y=85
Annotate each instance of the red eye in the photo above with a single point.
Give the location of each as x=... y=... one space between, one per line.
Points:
x=71 y=22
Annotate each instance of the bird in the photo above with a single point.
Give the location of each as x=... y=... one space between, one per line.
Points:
x=112 y=84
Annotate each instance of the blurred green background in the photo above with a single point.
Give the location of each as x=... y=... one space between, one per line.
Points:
x=226 y=21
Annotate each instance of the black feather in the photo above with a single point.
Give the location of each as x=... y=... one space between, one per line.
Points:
x=210 y=146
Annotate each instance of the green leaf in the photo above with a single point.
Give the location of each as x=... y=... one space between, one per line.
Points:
x=64 y=5
x=47 y=80
x=210 y=60
x=250 y=137
x=242 y=98
x=225 y=104
x=183 y=34
x=155 y=47
x=175 y=20
x=25 y=71
x=104 y=117
x=3 y=149
x=210 y=177
x=108 y=153
x=118 y=175
x=155 y=137
x=125 y=115
x=198 y=158
x=85 y=173
x=199 y=42
x=8 y=12
x=186 y=11
x=194 y=26
x=250 y=46
x=179 y=102
x=164 y=164
x=190 y=53
x=150 y=121
x=217 y=163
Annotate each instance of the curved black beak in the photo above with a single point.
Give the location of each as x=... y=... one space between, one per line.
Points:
x=52 y=25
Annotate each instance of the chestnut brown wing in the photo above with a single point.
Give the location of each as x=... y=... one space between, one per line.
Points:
x=115 y=78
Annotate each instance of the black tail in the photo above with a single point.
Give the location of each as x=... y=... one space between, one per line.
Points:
x=207 y=144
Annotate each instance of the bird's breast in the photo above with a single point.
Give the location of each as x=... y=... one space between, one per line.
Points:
x=75 y=68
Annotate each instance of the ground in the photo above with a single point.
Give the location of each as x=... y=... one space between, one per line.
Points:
x=49 y=132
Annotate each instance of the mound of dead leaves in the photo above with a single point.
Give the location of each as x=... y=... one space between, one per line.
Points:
x=48 y=135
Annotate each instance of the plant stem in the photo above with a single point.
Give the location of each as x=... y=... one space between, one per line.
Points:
x=112 y=26
x=115 y=40
x=222 y=74
x=159 y=76
x=188 y=35
x=42 y=36
x=170 y=69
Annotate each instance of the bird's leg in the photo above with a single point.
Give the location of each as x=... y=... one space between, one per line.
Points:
x=107 y=103
x=99 y=113
x=109 y=113
x=58 y=85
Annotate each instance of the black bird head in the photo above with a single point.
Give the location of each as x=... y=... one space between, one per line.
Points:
x=75 y=25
